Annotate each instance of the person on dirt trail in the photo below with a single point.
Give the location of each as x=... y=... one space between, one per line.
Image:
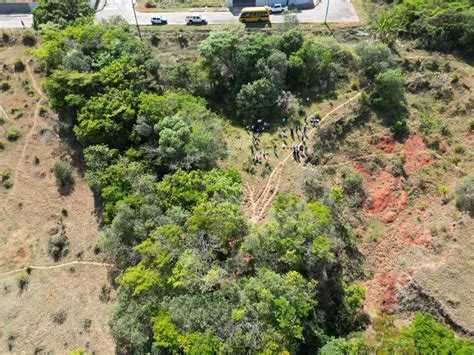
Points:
x=303 y=136
x=305 y=128
x=284 y=133
x=305 y=119
x=265 y=155
x=292 y=133
x=252 y=150
x=275 y=150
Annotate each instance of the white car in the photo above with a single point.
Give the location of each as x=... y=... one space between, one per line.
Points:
x=276 y=9
x=196 y=20
x=159 y=20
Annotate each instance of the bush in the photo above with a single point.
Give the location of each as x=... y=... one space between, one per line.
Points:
x=58 y=246
x=22 y=281
x=459 y=149
x=19 y=65
x=375 y=58
x=464 y=195
x=471 y=125
x=5 y=86
x=29 y=39
x=59 y=317
x=352 y=182
x=389 y=93
x=12 y=134
x=63 y=173
x=5 y=37
x=150 y=4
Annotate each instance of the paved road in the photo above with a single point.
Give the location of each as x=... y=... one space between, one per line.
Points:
x=339 y=11
x=14 y=21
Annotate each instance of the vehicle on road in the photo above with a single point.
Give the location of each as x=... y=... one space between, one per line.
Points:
x=276 y=8
x=159 y=20
x=196 y=20
x=254 y=14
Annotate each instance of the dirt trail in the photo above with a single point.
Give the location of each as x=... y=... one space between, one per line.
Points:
x=260 y=204
x=57 y=266
x=21 y=162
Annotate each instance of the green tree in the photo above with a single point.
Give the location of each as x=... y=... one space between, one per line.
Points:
x=375 y=58
x=61 y=12
x=431 y=337
x=290 y=41
x=220 y=52
x=313 y=65
x=389 y=94
x=106 y=118
x=257 y=100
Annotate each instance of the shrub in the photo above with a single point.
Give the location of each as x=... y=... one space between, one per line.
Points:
x=58 y=246
x=105 y=293
x=12 y=134
x=63 y=173
x=375 y=58
x=352 y=182
x=5 y=37
x=4 y=175
x=464 y=195
x=389 y=93
x=459 y=149
x=471 y=125
x=22 y=281
x=29 y=39
x=59 y=317
x=150 y=4
x=19 y=65
x=5 y=86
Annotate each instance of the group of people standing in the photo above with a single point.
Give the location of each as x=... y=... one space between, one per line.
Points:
x=297 y=133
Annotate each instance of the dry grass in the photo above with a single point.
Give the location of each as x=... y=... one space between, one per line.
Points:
x=33 y=211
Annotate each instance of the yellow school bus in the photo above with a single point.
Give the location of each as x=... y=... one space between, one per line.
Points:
x=254 y=14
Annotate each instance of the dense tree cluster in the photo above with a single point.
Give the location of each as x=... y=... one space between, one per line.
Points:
x=205 y=282
x=437 y=24
x=259 y=74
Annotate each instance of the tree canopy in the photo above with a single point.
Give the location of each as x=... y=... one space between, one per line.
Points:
x=62 y=12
